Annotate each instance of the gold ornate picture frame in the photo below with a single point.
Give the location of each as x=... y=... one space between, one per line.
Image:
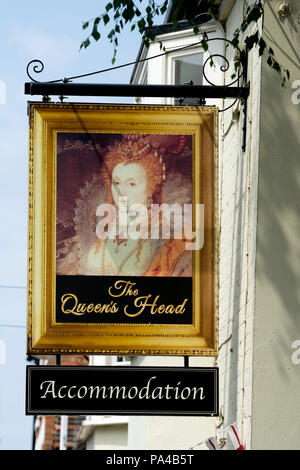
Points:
x=105 y=275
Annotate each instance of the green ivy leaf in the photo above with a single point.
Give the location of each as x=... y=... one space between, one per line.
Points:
x=244 y=26
x=106 y=19
x=108 y=6
x=276 y=67
x=250 y=41
x=163 y=8
x=128 y=14
x=237 y=64
x=96 y=35
x=86 y=43
x=204 y=45
x=262 y=46
x=141 y=24
x=85 y=25
x=235 y=41
x=111 y=34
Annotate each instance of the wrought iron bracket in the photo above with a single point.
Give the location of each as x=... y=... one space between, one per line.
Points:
x=65 y=87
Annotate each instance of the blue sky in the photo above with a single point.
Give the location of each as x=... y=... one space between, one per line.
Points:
x=51 y=32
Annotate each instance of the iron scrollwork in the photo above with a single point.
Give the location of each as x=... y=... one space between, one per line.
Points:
x=38 y=68
x=241 y=71
x=239 y=75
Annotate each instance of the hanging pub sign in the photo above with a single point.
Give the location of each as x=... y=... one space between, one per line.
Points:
x=122 y=229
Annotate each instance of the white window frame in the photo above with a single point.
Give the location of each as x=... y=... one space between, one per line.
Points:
x=161 y=70
x=180 y=55
x=171 y=61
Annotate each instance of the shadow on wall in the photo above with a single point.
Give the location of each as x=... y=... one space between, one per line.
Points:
x=278 y=247
x=276 y=379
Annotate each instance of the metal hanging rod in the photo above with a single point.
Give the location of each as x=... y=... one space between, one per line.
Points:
x=166 y=91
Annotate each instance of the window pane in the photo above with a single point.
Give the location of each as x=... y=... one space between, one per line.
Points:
x=189 y=68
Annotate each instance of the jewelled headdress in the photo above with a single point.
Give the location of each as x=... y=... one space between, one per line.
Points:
x=141 y=148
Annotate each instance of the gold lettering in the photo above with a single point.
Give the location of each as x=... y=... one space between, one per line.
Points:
x=170 y=309
x=65 y=299
x=80 y=309
x=143 y=302
x=107 y=308
x=153 y=311
x=180 y=308
x=125 y=286
x=139 y=303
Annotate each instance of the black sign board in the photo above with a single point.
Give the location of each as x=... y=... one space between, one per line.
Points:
x=190 y=391
x=77 y=296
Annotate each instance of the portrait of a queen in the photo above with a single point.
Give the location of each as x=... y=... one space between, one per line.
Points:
x=122 y=204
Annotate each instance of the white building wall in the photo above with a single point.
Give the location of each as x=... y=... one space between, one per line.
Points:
x=238 y=215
